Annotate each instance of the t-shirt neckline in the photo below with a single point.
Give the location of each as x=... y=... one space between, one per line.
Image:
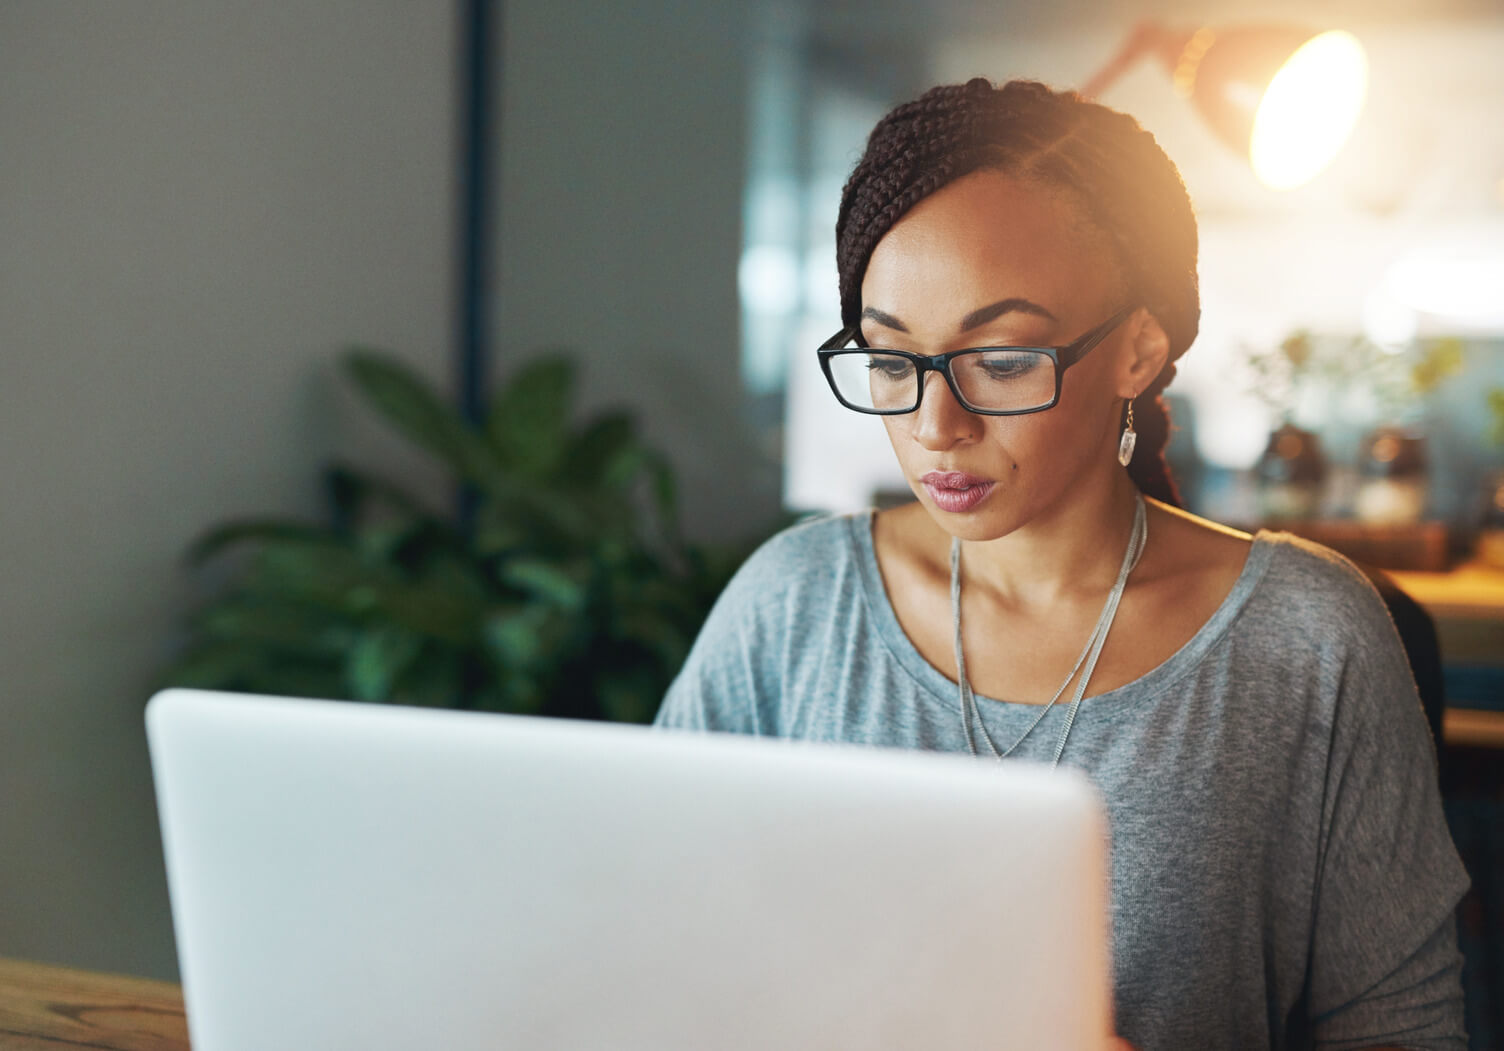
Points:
x=1150 y=684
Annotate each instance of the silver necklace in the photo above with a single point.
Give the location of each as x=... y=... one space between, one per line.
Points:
x=970 y=713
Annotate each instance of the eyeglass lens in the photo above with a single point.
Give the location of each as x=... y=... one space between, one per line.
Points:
x=1002 y=380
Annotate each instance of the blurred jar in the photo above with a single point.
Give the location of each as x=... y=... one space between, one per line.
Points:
x=1491 y=528
x=1291 y=473
x=1393 y=488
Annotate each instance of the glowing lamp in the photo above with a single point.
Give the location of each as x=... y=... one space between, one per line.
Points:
x=1283 y=98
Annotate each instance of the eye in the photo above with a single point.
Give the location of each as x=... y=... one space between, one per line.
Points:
x=888 y=366
x=999 y=365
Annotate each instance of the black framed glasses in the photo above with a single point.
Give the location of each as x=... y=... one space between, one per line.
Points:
x=992 y=381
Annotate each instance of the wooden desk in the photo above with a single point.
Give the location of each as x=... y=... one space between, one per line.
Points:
x=1467 y=605
x=45 y=1008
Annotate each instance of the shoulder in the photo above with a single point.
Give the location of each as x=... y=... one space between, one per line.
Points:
x=798 y=572
x=1283 y=601
x=811 y=549
x=810 y=541
x=1320 y=590
x=1314 y=614
x=1303 y=584
x=763 y=625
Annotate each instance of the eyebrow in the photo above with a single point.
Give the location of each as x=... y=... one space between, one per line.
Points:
x=975 y=319
x=883 y=319
x=978 y=318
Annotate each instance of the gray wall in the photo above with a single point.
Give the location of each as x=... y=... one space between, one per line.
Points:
x=623 y=146
x=200 y=203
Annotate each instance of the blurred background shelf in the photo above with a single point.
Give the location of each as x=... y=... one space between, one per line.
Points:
x=1422 y=547
x=1467 y=604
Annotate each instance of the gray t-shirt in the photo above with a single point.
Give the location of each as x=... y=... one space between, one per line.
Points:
x=1282 y=875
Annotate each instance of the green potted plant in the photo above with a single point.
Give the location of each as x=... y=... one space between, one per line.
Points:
x=563 y=588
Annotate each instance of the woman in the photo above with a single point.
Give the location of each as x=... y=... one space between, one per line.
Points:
x=1281 y=872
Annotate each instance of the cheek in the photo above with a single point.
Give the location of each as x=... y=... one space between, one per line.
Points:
x=1078 y=425
x=898 y=434
x=1025 y=444
x=1087 y=389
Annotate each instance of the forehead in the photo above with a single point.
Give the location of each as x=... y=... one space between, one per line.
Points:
x=985 y=237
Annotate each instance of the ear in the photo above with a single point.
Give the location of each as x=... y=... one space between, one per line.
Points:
x=1144 y=355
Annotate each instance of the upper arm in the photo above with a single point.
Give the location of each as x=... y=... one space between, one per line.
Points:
x=719 y=687
x=1384 y=966
x=733 y=677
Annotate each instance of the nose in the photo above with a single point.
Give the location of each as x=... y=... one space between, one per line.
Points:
x=941 y=421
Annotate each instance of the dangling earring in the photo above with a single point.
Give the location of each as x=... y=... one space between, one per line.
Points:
x=1129 y=439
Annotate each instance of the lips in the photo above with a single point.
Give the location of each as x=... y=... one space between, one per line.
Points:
x=956 y=491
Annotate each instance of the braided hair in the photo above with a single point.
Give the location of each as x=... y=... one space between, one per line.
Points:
x=1122 y=183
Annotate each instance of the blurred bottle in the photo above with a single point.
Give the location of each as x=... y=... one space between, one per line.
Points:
x=1393 y=489
x=1491 y=528
x=1291 y=473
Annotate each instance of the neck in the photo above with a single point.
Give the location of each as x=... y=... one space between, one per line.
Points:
x=1074 y=548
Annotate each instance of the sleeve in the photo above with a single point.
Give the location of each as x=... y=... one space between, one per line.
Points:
x=717 y=687
x=725 y=684
x=1384 y=966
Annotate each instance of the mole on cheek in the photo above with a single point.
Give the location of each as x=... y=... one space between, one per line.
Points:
x=1015 y=465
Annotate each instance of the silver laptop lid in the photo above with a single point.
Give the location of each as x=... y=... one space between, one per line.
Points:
x=365 y=877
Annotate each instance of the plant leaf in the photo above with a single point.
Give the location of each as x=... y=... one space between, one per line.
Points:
x=629 y=695
x=275 y=622
x=547 y=520
x=215 y=665
x=515 y=635
x=665 y=492
x=322 y=571
x=528 y=418
x=254 y=530
x=598 y=444
x=378 y=657
x=559 y=586
x=409 y=403
x=1496 y=406
x=336 y=579
x=658 y=634
x=519 y=693
x=352 y=491
x=434 y=678
x=255 y=668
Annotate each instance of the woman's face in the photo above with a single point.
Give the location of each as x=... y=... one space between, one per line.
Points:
x=993 y=261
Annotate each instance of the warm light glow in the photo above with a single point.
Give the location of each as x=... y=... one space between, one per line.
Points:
x=1309 y=110
x=1469 y=290
x=1388 y=322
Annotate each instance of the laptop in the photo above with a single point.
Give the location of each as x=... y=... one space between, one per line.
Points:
x=364 y=877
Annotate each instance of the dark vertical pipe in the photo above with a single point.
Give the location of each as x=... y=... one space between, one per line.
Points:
x=480 y=42
x=479 y=48
x=479 y=45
